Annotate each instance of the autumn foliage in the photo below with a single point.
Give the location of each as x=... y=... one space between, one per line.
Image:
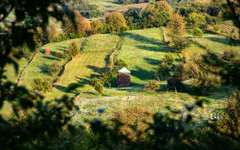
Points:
x=176 y=24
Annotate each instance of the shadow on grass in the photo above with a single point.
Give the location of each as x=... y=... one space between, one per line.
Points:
x=61 y=88
x=82 y=81
x=51 y=58
x=131 y=89
x=97 y=69
x=143 y=74
x=141 y=38
x=62 y=48
x=66 y=89
x=152 y=61
x=44 y=69
x=226 y=41
x=159 y=48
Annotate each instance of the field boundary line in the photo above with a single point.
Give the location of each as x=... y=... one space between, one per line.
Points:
x=64 y=66
x=19 y=79
x=115 y=52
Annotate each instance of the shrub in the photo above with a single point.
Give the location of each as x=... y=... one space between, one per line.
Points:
x=62 y=55
x=152 y=86
x=179 y=43
x=216 y=28
x=196 y=19
x=163 y=71
x=52 y=33
x=175 y=83
x=61 y=37
x=229 y=54
x=97 y=26
x=134 y=122
x=168 y=58
x=72 y=49
x=82 y=24
x=118 y=64
x=54 y=69
x=197 y=32
x=97 y=84
x=41 y=85
x=133 y=18
x=176 y=24
x=99 y=88
x=116 y=22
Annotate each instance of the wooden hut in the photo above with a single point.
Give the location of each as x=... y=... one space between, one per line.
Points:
x=123 y=77
x=47 y=52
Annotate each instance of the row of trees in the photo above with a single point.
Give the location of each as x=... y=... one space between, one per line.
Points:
x=155 y=15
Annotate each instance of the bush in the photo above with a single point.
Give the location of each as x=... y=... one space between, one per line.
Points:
x=216 y=28
x=152 y=86
x=168 y=58
x=99 y=88
x=175 y=83
x=60 y=37
x=54 y=69
x=196 y=19
x=179 y=43
x=118 y=64
x=163 y=71
x=176 y=24
x=97 y=84
x=41 y=85
x=52 y=33
x=229 y=54
x=197 y=32
x=97 y=26
x=134 y=122
x=72 y=49
x=116 y=22
x=62 y=55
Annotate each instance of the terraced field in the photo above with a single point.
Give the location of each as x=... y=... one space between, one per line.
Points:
x=142 y=52
x=216 y=43
x=38 y=67
x=88 y=64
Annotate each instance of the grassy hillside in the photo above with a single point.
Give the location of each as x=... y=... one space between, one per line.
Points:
x=38 y=67
x=142 y=51
x=88 y=64
x=216 y=43
x=104 y=3
x=11 y=74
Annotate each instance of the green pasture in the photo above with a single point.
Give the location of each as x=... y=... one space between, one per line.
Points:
x=217 y=43
x=142 y=50
x=38 y=67
x=105 y=3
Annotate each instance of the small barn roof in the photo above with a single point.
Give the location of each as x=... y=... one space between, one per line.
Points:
x=124 y=70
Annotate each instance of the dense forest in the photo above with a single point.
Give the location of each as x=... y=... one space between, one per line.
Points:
x=120 y=74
